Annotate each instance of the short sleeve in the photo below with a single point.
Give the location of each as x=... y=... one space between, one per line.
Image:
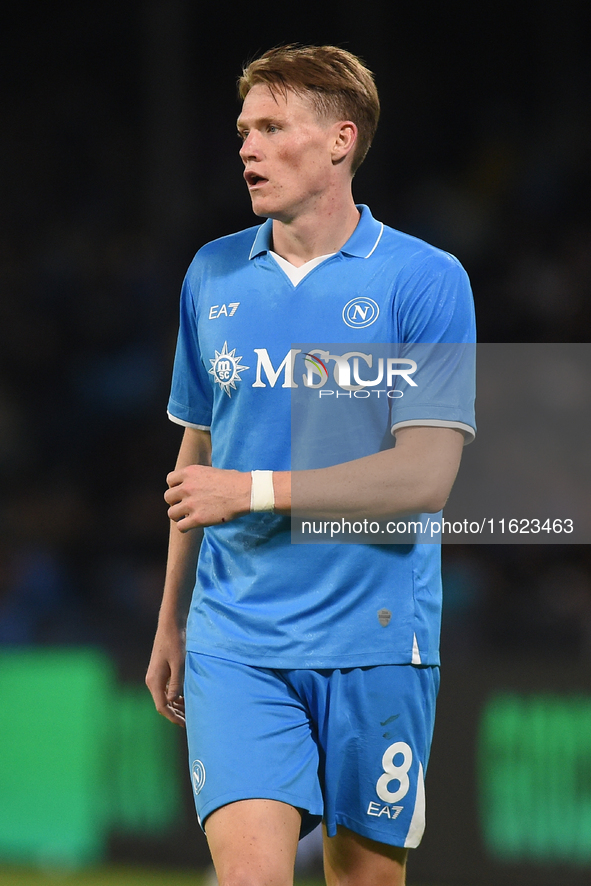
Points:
x=436 y=303
x=190 y=402
x=438 y=329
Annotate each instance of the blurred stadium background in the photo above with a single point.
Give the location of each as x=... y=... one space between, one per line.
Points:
x=117 y=142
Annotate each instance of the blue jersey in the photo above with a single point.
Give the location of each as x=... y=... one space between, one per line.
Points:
x=258 y=598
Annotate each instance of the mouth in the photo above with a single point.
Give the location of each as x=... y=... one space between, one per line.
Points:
x=253 y=179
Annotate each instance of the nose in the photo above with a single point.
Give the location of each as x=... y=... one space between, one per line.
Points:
x=249 y=149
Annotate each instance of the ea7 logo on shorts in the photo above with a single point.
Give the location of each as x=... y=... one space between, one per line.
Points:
x=198 y=776
x=360 y=312
x=378 y=810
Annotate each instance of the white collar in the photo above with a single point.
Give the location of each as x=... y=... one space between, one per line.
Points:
x=296 y=275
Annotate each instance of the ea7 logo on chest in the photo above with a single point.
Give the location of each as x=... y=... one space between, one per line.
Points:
x=229 y=310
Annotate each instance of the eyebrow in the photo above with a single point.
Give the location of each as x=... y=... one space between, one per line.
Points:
x=258 y=121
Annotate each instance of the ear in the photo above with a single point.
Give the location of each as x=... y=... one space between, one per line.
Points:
x=345 y=138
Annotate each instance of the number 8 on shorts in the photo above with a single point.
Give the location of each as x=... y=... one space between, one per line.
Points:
x=392 y=772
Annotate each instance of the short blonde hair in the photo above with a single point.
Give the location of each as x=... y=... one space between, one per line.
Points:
x=337 y=82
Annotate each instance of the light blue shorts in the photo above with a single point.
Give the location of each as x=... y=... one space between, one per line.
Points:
x=349 y=745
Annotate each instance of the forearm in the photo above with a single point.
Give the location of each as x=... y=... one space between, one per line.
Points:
x=165 y=674
x=370 y=486
x=164 y=677
x=415 y=477
x=183 y=547
x=183 y=553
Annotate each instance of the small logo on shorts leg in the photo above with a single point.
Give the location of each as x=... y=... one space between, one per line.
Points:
x=198 y=776
x=384 y=616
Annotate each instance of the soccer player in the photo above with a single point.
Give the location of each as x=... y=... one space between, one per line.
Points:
x=310 y=672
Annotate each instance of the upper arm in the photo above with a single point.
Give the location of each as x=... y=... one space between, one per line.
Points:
x=434 y=455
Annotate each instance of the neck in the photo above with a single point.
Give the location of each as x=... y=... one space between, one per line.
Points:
x=316 y=233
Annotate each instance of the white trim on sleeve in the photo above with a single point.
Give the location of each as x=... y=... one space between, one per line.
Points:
x=469 y=432
x=187 y=424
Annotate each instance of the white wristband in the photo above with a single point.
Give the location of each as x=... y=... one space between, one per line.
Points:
x=262 y=494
